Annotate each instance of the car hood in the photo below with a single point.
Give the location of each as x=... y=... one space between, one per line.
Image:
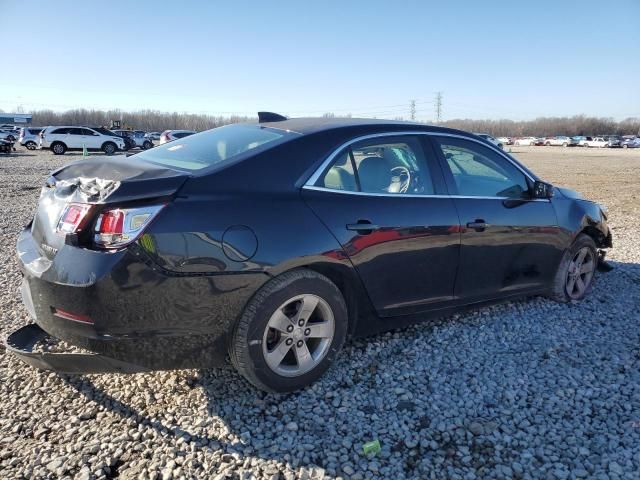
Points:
x=568 y=193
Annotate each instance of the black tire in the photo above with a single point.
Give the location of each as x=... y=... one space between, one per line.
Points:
x=147 y=145
x=559 y=288
x=246 y=343
x=58 y=148
x=547 y=144
x=30 y=145
x=109 y=148
x=625 y=146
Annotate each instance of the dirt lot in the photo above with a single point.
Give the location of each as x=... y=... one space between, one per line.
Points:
x=527 y=389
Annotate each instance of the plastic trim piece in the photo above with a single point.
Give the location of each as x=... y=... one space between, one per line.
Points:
x=21 y=342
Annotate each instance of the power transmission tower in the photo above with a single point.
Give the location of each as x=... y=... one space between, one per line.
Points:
x=412 y=110
x=438 y=107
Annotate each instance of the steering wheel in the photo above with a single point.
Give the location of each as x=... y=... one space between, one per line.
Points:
x=400 y=179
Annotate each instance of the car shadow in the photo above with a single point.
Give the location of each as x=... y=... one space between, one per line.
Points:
x=238 y=420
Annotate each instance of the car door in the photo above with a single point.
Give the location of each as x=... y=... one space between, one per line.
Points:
x=91 y=138
x=510 y=242
x=384 y=199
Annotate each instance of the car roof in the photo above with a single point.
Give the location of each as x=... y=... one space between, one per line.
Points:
x=308 y=125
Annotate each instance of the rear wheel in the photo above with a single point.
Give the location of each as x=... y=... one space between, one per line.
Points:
x=30 y=145
x=109 y=148
x=290 y=332
x=575 y=273
x=625 y=146
x=565 y=144
x=58 y=148
x=147 y=145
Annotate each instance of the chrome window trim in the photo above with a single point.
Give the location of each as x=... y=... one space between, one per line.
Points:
x=417 y=195
x=316 y=175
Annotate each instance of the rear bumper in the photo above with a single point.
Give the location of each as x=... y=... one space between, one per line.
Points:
x=138 y=313
x=21 y=342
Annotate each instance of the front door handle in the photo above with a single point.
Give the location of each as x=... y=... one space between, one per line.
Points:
x=363 y=227
x=479 y=225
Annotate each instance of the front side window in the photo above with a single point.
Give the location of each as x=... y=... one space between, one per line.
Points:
x=395 y=165
x=478 y=171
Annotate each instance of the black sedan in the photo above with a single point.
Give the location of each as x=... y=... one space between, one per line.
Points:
x=274 y=242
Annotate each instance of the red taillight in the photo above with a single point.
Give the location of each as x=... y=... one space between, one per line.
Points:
x=76 y=317
x=112 y=222
x=73 y=218
x=120 y=226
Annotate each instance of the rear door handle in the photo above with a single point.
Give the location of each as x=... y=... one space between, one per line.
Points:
x=363 y=227
x=479 y=225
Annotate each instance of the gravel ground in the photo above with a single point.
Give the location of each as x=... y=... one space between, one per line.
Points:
x=529 y=389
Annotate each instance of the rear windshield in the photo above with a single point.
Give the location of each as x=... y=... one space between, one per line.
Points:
x=212 y=147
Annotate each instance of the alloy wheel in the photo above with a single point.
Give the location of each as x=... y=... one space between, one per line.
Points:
x=580 y=273
x=298 y=335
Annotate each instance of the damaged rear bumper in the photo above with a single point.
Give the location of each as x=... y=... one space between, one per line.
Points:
x=21 y=342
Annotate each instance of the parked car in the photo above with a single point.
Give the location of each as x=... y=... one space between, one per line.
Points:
x=613 y=140
x=525 y=141
x=141 y=139
x=135 y=138
x=560 y=140
x=598 y=142
x=9 y=135
x=279 y=271
x=29 y=137
x=505 y=140
x=6 y=146
x=490 y=139
x=127 y=136
x=580 y=139
x=153 y=136
x=630 y=141
x=61 y=139
x=171 y=135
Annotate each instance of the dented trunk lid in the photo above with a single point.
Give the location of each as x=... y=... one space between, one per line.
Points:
x=101 y=182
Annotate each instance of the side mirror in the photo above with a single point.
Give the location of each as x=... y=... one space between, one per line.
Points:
x=542 y=190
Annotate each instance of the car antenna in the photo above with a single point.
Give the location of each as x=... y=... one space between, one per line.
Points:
x=270 y=117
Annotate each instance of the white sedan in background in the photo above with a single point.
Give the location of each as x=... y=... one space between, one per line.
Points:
x=599 y=142
x=531 y=141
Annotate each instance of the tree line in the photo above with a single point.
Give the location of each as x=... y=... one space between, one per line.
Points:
x=152 y=120
x=147 y=120
x=548 y=126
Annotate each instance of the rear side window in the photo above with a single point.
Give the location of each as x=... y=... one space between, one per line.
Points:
x=222 y=144
x=60 y=131
x=478 y=171
x=395 y=165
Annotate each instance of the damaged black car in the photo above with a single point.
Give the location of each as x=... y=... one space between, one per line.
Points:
x=272 y=243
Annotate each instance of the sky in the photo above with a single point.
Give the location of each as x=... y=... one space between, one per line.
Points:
x=489 y=59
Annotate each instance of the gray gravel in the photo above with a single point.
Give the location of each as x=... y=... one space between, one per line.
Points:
x=529 y=389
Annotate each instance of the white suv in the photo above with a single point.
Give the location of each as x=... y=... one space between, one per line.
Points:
x=61 y=139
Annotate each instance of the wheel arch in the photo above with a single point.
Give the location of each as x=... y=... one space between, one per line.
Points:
x=349 y=284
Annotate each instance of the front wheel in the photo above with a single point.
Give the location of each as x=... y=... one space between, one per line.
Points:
x=625 y=146
x=290 y=332
x=109 y=148
x=58 y=148
x=147 y=145
x=575 y=273
x=30 y=145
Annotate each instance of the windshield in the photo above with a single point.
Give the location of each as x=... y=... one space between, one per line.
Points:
x=212 y=147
